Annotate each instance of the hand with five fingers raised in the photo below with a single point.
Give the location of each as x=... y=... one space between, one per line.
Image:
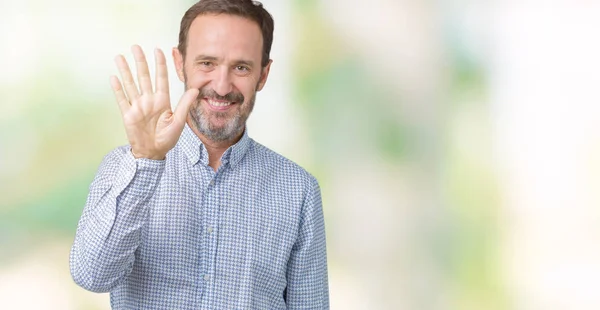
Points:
x=152 y=127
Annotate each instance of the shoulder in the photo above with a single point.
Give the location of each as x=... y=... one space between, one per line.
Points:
x=279 y=166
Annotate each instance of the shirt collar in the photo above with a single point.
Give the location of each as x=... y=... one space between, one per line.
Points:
x=196 y=151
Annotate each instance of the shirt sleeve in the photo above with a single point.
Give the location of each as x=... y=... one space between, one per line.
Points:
x=108 y=232
x=307 y=281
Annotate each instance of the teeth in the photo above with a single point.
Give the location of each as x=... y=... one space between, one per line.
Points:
x=219 y=103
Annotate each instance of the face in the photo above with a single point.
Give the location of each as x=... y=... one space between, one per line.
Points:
x=223 y=60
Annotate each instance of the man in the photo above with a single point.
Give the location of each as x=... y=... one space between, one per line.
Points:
x=194 y=214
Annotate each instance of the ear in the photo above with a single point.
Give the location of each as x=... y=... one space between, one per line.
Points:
x=178 y=60
x=263 y=76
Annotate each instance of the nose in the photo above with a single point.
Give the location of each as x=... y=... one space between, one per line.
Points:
x=222 y=81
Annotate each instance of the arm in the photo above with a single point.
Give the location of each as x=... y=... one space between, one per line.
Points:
x=108 y=233
x=307 y=283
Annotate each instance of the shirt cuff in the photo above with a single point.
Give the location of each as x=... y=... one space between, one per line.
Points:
x=138 y=177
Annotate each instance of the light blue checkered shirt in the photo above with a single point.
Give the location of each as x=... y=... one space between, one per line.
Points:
x=175 y=234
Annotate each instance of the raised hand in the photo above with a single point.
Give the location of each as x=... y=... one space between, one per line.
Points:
x=151 y=126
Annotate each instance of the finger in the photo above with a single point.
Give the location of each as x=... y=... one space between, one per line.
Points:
x=184 y=105
x=162 y=77
x=128 y=82
x=115 y=84
x=143 y=73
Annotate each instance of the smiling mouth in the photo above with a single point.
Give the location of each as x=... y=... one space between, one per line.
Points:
x=219 y=103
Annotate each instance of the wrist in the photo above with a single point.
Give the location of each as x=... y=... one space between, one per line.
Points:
x=137 y=155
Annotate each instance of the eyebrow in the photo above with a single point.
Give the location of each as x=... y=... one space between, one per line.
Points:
x=205 y=57
x=248 y=63
x=200 y=58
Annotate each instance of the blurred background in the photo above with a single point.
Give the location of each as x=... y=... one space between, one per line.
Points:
x=457 y=143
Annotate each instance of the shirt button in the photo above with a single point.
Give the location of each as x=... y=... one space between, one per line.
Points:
x=206 y=277
x=212 y=182
x=209 y=230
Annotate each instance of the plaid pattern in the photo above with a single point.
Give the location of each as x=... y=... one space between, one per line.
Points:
x=174 y=234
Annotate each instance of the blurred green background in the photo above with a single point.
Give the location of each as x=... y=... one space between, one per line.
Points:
x=456 y=143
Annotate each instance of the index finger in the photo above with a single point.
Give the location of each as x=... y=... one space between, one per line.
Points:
x=162 y=77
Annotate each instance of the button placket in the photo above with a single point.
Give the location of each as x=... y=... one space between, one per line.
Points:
x=210 y=222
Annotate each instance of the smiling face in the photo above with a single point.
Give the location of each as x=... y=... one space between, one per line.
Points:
x=222 y=60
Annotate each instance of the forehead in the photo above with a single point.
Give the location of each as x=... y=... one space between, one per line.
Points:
x=224 y=36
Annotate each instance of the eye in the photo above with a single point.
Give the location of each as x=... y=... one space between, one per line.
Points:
x=206 y=64
x=242 y=68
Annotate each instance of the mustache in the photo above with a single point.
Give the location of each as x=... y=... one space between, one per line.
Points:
x=210 y=93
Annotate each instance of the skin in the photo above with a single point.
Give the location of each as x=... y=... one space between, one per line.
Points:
x=222 y=64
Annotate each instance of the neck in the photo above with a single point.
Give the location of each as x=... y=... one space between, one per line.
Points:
x=215 y=149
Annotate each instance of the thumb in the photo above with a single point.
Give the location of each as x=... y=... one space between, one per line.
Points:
x=184 y=105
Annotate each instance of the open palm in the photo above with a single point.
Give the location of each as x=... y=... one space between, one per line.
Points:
x=152 y=127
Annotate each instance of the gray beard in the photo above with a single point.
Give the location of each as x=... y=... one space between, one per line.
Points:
x=213 y=133
x=229 y=132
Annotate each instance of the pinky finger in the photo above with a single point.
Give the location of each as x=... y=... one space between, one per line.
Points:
x=117 y=88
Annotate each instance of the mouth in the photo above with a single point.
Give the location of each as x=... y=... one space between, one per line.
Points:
x=218 y=105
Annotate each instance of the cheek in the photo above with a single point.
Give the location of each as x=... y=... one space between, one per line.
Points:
x=197 y=79
x=247 y=86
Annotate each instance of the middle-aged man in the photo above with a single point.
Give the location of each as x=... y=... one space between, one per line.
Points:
x=193 y=213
